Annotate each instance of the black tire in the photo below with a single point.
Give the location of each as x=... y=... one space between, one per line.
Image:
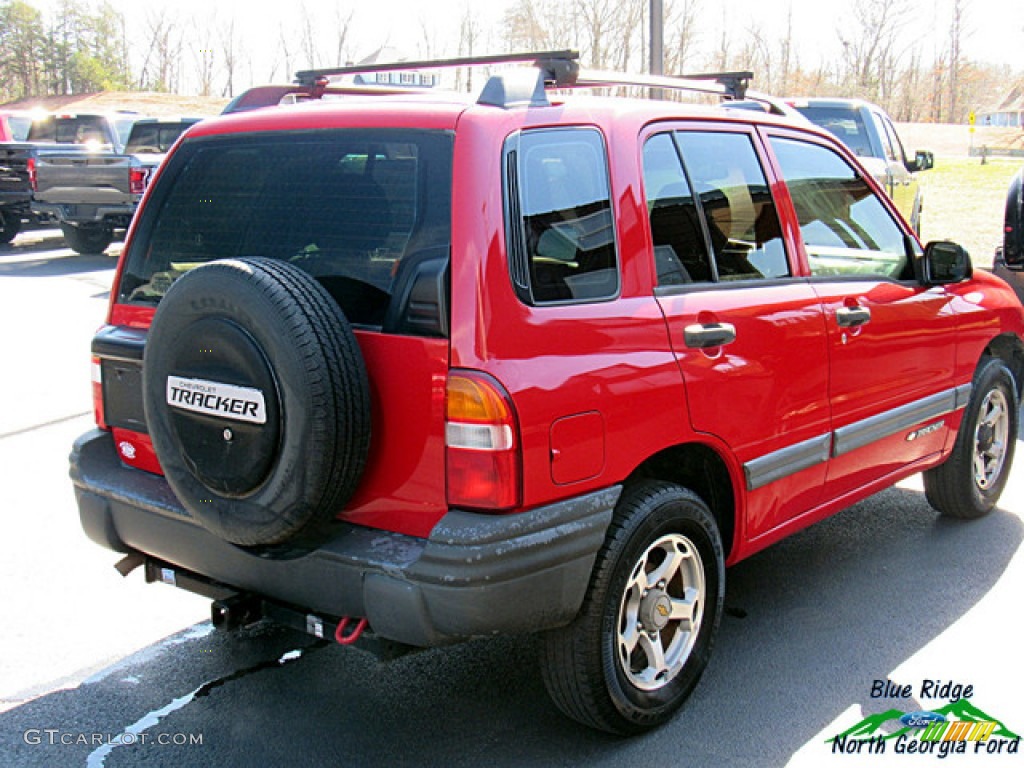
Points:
x=228 y=330
x=10 y=226
x=87 y=239
x=968 y=484
x=586 y=675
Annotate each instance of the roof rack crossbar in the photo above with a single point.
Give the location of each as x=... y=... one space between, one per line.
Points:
x=730 y=85
x=558 y=64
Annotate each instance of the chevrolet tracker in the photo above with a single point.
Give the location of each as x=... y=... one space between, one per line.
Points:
x=409 y=369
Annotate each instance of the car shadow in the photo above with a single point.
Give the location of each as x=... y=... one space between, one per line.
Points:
x=810 y=623
x=57 y=265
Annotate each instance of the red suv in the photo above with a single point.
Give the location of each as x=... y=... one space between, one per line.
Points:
x=418 y=369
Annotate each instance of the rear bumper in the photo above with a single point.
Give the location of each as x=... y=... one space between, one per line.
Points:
x=473 y=575
x=115 y=214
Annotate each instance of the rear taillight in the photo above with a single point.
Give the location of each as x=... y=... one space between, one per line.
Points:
x=137 y=180
x=482 y=440
x=97 y=393
x=30 y=166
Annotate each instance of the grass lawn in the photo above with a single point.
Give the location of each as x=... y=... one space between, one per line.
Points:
x=964 y=201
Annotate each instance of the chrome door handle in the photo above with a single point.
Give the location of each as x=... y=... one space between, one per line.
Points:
x=851 y=317
x=707 y=335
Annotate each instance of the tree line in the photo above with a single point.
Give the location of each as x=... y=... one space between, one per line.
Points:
x=878 y=53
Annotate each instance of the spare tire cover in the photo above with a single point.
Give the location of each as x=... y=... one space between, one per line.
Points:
x=256 y=399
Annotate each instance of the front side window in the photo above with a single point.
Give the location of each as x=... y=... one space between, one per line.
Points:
x=846 y=229
x=560 y=230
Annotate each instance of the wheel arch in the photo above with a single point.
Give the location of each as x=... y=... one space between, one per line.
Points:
x=1009 y=348
x=703 y=470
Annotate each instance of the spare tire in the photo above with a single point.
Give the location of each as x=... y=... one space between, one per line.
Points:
x=256 y=399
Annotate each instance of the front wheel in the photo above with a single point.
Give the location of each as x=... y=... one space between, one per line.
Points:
x=644 y=634
x=968 y=484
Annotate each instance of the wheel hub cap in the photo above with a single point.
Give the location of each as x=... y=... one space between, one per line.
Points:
x=661 y=612
x=991 y=434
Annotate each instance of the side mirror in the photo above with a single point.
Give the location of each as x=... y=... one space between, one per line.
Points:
x=1013 y=229
x=945 y=263
x=923 y=160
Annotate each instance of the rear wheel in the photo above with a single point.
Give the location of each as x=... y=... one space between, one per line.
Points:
x=10 y=226
x=644 y=634
x=969 y=483
x=87 y=239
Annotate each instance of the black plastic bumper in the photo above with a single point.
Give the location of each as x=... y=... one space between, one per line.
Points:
x=473 y=575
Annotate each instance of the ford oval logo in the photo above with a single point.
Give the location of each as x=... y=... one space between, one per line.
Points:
x=921 y=719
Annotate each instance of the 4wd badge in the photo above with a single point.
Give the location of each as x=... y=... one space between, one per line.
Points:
x=216 y=399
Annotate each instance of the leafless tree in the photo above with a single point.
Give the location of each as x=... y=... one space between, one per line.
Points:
x=681 y=34
x=230 y=48
x=342 y=23
x=161 y=69
x=469 y=33
x=873 y=46
x=957 y=34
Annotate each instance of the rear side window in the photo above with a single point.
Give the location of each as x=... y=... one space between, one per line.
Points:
x=559 y=226
x=680 y=245
x=356 y=208
x=846 y=229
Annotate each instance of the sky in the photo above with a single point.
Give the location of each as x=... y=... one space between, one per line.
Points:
x=425 y=28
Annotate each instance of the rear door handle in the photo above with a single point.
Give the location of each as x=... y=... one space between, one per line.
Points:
x=707 y=335
x=851 y=317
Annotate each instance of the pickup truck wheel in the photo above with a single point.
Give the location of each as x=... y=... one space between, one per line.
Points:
x=87 y=239
x=256 y=399
x=645 y=632
x=968 y=484
x=10 y=226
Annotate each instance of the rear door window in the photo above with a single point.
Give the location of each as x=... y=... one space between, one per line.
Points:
x=354 y=208
x=707 y=194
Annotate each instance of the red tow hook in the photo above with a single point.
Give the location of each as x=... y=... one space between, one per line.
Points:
x=351 y=637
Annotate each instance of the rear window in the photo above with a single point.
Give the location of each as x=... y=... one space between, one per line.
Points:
x=83 y=129
x=19 y=126
x=352 y=207
x=155 y=138
x=844 y=123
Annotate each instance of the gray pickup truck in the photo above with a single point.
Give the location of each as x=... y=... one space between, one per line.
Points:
x=93 y=195
x=77 y=136
x=869 y=132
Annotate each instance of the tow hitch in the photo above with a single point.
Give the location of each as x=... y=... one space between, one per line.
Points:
x=235 y=611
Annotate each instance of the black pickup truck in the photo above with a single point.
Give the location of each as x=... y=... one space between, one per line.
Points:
x=95 y=194
x=68 y=135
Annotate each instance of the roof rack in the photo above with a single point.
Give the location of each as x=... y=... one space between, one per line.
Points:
x=557 y=66
x=513 y=87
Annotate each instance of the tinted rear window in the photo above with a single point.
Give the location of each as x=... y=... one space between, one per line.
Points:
x=348 y=206
x=84 y=129
x=154 y=138
x=844 y=123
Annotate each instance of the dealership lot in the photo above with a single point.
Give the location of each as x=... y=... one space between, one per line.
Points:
x=883 y=591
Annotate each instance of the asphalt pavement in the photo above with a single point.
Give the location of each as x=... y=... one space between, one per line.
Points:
x=99 y=670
